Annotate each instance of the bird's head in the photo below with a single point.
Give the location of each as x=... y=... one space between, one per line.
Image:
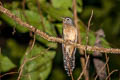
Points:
x=67 y=20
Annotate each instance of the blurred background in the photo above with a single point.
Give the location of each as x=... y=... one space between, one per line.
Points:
x=45 y=15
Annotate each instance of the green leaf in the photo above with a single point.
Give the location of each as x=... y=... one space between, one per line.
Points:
x=59 y=26
x=55 y=13
x=6 y=64
x=30 y=17
x=40 y=67
x=92 y=39
x=104 y=43
x=47 y=43
x=34 y=19
x=62 y=3
x=79 y=5
x=66 y=4
x=50 y=28
x=13 y=23
x=15 y=50
x=52 y=12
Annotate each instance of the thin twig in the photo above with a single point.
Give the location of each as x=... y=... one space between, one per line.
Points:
x=102 y=69
x=71 y=75
x=84 y=68
x=13 y=31
x=82 y=59
x=23 y=10
x=88 y=29
x=87 y=39
x=9 y=73
x=34 y=57
x=55 y=39
x=41 y=16
x=108 y=70
x=21 y=69
x=25 y=58
x=87 y=36
x=25 y=16
x=111 y=74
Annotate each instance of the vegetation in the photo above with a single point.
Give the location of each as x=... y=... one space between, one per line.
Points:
x=39 y=59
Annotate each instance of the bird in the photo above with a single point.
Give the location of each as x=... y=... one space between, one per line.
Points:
x=69 y=34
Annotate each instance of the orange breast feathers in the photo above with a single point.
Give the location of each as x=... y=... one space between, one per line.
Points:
x=70 y=33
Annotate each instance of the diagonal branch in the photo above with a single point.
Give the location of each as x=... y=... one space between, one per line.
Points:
x=84 y=68
x=111 y=74
x=25 y=57
x=55 y=39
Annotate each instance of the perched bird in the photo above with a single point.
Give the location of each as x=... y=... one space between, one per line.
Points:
x=69 y=34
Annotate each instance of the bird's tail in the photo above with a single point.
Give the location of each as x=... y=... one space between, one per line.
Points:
x=69 y=63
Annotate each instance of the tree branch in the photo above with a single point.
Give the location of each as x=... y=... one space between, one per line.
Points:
x=55 y=39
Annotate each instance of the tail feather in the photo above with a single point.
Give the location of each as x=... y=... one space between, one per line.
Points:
x=68 y=58
x=69 y=63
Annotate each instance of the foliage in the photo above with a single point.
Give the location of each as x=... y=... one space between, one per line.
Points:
x=39 y=67
x=46 y=65
x=6 y=64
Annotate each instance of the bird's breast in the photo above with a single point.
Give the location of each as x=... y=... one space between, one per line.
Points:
x=69 y=33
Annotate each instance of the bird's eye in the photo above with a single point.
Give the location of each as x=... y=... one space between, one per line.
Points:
x=68 y=19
